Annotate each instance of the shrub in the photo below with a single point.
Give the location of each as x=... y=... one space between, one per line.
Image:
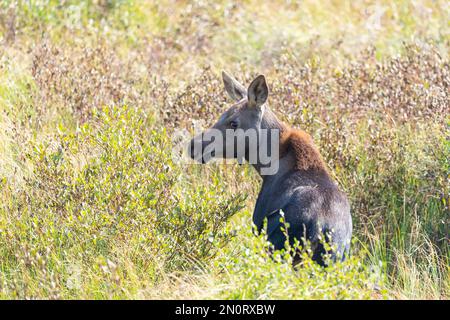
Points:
x=106 y=196
x=91 y=205
x=254 y=274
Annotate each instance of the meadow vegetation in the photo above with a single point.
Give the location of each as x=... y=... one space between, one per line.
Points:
x=93 y=206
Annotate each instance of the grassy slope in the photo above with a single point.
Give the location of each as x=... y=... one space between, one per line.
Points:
x=93 y=207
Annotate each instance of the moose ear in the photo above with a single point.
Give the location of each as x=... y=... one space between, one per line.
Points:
x=258 y=92
x=235 y=90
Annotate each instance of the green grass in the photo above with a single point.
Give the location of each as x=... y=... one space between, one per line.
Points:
x=93 y=206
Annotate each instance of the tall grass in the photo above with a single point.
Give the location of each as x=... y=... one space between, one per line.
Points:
x=92 y=205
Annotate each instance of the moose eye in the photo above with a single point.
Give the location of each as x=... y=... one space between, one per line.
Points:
x=234 y=124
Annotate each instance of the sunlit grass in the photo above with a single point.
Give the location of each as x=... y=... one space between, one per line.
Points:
x=92 y=206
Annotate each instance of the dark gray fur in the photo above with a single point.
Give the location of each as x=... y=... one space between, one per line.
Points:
x=312 y=204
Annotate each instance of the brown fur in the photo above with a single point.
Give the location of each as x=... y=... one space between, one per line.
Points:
x=306 y=155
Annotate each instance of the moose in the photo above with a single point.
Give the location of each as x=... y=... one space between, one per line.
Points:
x=301 y=193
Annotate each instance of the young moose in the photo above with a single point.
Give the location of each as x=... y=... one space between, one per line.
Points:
x=301 y=188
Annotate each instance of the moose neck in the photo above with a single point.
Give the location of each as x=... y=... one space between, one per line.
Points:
x=270 y=122
x=296 y=151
